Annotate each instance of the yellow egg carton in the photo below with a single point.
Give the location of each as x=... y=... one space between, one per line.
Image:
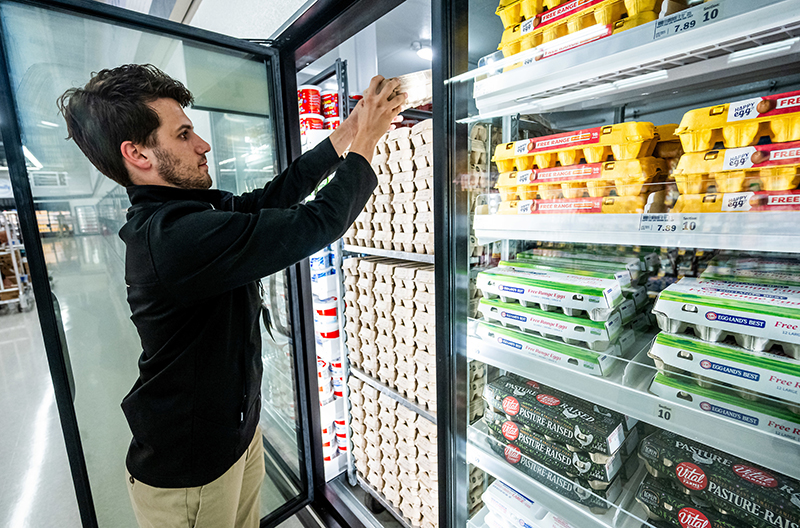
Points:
x=625 y=178
x=773 y=167
x=607 y=205
x=515 y=11
x=742 y=123
x=741 y=202
x=525 y=32
x=623 y=141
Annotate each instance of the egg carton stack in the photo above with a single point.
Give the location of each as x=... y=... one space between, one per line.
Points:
x=477 y=485
x=395 y=452
x=477 y=381
x=415 y=300
x=391 y=324
x=399 y=215
x=478 y=159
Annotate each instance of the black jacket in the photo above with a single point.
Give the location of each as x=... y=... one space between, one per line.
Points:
x=192 y=261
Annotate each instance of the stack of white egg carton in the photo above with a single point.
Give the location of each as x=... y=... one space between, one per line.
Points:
x=399 y=215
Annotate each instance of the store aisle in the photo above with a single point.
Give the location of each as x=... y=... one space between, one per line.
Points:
x=36 y=488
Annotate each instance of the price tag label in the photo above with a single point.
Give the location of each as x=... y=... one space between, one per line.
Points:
x=525 y=207
x=660 y=223
x=690 y=222
x=687 y=20
x=664 y=412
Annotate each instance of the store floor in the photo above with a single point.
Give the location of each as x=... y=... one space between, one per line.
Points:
x=36 y=489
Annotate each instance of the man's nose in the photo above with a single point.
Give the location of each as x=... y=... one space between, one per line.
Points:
x=202 y=146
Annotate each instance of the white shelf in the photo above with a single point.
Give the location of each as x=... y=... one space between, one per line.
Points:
x=625 y=514
x=770 y=231
x=479 y=520
x=429 y=415
x=402 y=255
x=741 y=37
x=335 y=467
x=626 y=391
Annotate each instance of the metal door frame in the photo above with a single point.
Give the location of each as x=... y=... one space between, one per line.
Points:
x=57 y=354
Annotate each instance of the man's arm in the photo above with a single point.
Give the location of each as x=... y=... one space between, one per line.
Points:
x=206 y=252
x=304 y=174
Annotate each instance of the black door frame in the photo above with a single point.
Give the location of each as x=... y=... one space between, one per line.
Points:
x=56 y=350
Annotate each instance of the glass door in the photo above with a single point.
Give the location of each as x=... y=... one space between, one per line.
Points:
x=92 y=345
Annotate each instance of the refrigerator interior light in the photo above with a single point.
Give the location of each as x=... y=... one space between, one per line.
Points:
x=226 y=161
x=49 y=124
x=30 y=157
x=774 y=48
x=660 y=75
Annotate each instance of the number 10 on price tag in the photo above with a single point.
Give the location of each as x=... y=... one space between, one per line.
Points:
x=660 y=223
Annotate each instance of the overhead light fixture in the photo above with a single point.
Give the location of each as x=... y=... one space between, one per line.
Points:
x=229 y=160
x=49 y=124
x=30 y=157
x=423 y=49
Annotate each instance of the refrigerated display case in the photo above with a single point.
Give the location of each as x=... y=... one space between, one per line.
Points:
x=645 y=278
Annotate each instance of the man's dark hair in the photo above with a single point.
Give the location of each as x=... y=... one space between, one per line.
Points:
x=113 y=108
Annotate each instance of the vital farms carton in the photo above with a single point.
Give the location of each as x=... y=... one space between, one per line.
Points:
x=761 y=498
x=661 y=501
x=550 y=415
x=553 y=454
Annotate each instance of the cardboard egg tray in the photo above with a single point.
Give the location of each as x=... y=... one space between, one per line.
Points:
x=753 y=376
x=571 y=17
x=734 y=487
x=662 y=501
x=623 y=141
x=625 y=178
x=568 y=356
x=572 y=294
x=773 y=167
x=758 y=317
x=742 y=123
x=581 y=331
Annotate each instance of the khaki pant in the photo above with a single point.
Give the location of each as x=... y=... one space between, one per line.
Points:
x=233 y=500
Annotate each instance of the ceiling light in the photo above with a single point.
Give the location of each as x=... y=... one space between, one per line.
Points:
x=49 y=124
x=423 y=49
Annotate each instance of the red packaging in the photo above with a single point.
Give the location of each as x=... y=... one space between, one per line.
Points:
x=308 y=99
x=330 y=103
x=310 y=122
x=331 y=123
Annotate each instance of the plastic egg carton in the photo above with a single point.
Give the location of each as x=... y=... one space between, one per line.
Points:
x=742 y=123
x=623 y=141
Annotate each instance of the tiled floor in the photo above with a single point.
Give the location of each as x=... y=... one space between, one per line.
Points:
x=36 y=489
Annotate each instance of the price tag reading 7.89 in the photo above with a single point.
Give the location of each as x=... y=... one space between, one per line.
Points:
x=688 y=19
x=659 y=223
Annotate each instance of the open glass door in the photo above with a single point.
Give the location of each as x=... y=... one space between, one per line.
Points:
x=78 y=274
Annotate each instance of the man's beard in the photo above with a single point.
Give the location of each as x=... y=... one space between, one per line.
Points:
x=172 y=172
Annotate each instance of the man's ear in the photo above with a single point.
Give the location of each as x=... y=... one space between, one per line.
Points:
x=133 y=154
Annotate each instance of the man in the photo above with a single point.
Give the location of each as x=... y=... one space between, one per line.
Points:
x=193 y=259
